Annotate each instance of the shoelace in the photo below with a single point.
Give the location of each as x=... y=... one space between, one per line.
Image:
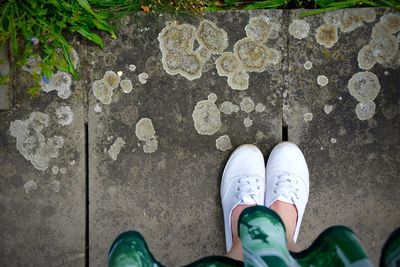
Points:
x=287 y=185
x=248 y=187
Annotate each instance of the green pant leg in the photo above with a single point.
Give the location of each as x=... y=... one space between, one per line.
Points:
x=130 y=249
x=263 y=237
x=391 y=251
x=337 y=246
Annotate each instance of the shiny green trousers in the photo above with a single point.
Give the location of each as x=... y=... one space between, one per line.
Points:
x=262 y=233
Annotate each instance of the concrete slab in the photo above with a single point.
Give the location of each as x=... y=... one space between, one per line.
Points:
x=171 y=195
x=354 y=164
x=42 y=184
x=5 y=97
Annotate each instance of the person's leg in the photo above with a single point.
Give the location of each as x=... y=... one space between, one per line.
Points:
x=287 y=188
x=242 y=185
x=236 y=252
x=288 y=214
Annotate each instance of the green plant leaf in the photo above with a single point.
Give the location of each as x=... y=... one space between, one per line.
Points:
x=85 y=5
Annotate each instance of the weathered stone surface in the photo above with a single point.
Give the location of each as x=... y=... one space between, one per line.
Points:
x=171 y=195
x=354 y=164
x=5 y=98
x=42 y=212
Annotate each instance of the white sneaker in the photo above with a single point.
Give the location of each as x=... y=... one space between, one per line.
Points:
x=287 y=179
x=243 y=182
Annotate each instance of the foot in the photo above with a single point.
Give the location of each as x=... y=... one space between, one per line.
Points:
x=243 y=183
x=287 y=186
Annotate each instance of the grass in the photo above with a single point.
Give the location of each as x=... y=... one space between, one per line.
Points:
x=37 y=27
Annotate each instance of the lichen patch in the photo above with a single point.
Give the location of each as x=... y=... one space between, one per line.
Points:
x=30 y=186
x=299 y=29
x=210 y=36
x=60 y=82
x=247 y=105
x=247 y=122
x=261 y=29
x=227 y=64
x=145 y=132
x=327 y=35
x=143 y=77
x=103 y=89
x=115 y=148
x=328 y=109
x=322 y=80
x=308 y=116
x=206 y=117
x=260 y=107
x=64 y=115
x=126 y=86
x=228 y=108
x=391 y=22
x=31 y=142
x=239 y=80
x=364 y=86
x=223 y=143
x=308 y=65
x=366 y=58
x=251 y=54
x=365 y=110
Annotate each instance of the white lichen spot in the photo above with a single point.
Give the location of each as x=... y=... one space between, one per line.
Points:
x=55 y=186
x=364 y=86
x=30 y=186
x=115 y=148
x=63 y=170
x=327 y=35
x=97 y=108
x=60 y=82
x=228 y=108
x=143 y=77
x=178 y=57
x=72 y=163
x=308 y=116
x=333 y=140
x=351 y=20
x=260 y=107
x=33 y=65
x=223 y=143
x=144 y=129
x=126 y=86
x=251 y=54
x=308 y=65
x=384 y=48
x=64 y=115
x=103 y=89
x=132 y=67
x=386 y=73
x=340 y=98
x=322 y=80
x=150 y=145
x=119 y=73
x=259 y=136
x=177 y=39
x=366 y=58
x=261 y=29
x=273 y=56
x=299 y=28
x=239 y=80
x=55 y=169
x=365 y=110
x=391 y=22
x=247 y=122
x=145 y=132
x=328 y=109
x=247 y=105
x=32 y=144
x=227 y=64
x=210 y=36
x=206 y=117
